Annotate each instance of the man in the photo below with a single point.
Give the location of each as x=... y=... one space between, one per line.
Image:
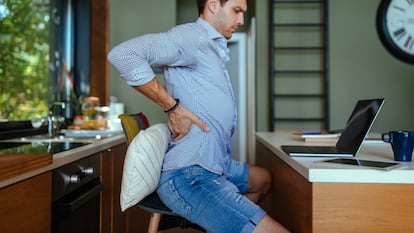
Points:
x=199 y=180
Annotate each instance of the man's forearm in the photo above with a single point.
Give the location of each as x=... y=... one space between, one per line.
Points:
x=157 y=93
x=181 y=119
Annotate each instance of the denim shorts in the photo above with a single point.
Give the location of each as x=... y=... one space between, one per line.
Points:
x=214 y=202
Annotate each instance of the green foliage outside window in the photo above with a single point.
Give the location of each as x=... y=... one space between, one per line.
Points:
x=24 y=59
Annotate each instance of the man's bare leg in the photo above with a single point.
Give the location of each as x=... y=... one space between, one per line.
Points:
x=260 y=182
x=269 y=225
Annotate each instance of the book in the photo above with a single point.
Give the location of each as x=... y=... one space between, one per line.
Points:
x=318 y=136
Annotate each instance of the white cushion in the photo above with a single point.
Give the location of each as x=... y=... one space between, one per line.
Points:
x=143 y=163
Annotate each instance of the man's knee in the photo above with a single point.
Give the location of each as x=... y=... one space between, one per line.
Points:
x=260 y=182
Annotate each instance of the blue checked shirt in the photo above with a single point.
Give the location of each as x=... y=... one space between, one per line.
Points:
x=194 y=58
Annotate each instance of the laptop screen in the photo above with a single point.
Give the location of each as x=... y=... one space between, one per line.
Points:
x=359 y=124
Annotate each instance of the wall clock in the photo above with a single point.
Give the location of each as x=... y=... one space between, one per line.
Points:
x=395 y=27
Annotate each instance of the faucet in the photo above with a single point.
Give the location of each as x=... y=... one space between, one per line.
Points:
x=55 y=119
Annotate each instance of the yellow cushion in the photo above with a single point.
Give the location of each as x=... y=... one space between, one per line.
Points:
x=130 y=126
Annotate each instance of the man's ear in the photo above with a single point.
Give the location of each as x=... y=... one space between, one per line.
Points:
x=212 y=5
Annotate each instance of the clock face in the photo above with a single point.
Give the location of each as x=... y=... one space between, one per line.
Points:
x=395 y=24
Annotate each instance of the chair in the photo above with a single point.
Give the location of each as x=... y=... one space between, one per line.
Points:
x=162 y=218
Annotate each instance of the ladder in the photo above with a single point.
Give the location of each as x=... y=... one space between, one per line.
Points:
x=299 y=74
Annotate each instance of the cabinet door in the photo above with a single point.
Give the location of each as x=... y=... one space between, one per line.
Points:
x=114 y=220
x=26 y=206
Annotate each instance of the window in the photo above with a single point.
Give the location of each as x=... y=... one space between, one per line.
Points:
x=24 y=57
x=43 y=56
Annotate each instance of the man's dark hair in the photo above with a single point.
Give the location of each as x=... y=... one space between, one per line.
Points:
x=201 y=4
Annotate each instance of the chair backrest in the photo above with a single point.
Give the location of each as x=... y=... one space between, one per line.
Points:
x=132 y=124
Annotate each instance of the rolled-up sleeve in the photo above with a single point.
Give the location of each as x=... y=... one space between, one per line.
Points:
x=133 y=58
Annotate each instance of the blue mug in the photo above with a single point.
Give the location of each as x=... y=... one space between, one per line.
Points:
x=402 y=144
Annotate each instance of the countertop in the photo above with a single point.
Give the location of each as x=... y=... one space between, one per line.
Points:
x=65 y=157
x=314 y=171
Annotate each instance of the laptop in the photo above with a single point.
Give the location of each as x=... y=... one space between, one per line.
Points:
x=352 y=136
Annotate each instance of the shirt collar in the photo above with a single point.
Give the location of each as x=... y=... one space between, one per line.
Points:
x=212 y=32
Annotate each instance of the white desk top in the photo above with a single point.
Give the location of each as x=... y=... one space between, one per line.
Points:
x=318 y=172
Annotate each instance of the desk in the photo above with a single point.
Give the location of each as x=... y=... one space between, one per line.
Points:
x=311 y=197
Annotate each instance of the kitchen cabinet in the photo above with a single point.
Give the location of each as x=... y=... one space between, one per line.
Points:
x=26 y=205
x=113 y=219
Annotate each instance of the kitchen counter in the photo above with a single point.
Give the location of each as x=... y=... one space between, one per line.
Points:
x=65 y=157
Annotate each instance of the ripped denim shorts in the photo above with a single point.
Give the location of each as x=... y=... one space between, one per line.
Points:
x=214 y=202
